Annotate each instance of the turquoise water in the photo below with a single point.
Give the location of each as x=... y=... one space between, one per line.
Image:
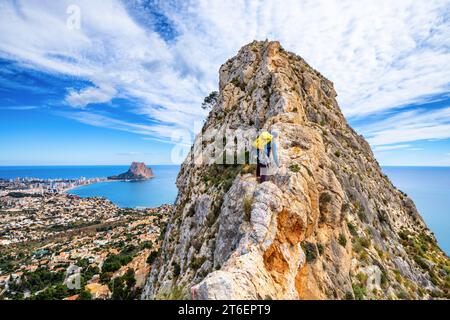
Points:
x=131 y=194
x=429 y=187
x=126 y=194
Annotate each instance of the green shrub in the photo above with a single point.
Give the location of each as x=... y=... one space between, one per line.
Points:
x=177 y=293
x=358 y=291
x=146 y=245
x=342 y=240
x=310 y=251
x=382 y=216
x=40 y=279
x=221 y=175
x=384 y=281
x=151 y=257
x=362 y=277
x=7 y=263
x=196 y=263
x=105 y=277
x=114 y=261
x=58 y=292
x=294 y=168
x=123 y=287
x=176 y=269
x=365 y=242
x=237 y=83
x=85 y=295
x=320 y=248
x=90 y=271
x=352 y=229
x=325 y=198
x=349 y=296
x=403 y=295
x=421 y=262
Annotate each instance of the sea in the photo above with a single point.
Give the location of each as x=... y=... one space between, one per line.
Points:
x=126 y=194
x=429 y=187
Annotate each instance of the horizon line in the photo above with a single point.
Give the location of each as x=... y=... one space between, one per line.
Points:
x=172 y=164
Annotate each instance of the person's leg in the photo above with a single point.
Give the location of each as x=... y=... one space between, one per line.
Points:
x=258 y=166
x=258 y=170
x=262 y=173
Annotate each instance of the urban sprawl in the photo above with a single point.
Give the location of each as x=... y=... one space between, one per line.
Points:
x=54 y=245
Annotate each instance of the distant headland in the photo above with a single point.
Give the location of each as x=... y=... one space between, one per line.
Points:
x=137 y=171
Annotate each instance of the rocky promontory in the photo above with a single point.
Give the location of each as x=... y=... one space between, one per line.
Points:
x=137 y=171
x=328 y=225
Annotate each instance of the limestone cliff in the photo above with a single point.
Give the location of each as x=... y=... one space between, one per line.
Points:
x=329 y=224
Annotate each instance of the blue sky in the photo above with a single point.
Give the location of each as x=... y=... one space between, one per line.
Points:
x=115 y=89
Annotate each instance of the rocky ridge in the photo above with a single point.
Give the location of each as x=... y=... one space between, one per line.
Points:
x=329 y=224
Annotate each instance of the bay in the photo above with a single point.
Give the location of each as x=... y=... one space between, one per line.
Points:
x=126 y=194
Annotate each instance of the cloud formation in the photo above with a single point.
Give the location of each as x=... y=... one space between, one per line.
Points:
x=393 y=147
x=90 y=95
x=410 y=126
x=165 y=54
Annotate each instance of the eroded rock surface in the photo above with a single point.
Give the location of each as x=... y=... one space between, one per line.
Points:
x=329 y=224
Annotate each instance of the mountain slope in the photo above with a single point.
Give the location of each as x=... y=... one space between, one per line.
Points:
x=329 y=224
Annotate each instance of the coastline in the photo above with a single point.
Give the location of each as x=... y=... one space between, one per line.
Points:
x=151 y=193
x=66 y=190
x=103 y=181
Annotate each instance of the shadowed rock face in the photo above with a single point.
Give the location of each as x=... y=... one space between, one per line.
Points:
x=329 y=224
x=137 y=171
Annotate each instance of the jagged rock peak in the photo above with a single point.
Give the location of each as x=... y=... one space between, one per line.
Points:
x=328 y=225
x=137 y=171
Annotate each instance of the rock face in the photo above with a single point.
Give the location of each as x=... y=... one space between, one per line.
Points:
x=137 y=171
x=328 y=225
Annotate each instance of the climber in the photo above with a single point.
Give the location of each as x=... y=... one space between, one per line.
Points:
x=266 y=150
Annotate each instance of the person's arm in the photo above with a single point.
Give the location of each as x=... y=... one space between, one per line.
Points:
x=275 y=153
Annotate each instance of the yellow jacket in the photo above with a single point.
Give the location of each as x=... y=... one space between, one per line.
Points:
x=263 y=139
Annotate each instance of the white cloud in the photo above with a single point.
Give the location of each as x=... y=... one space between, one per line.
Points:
x=19 y=108
x=380 y=55
x=90 y=95
x=392 y=147
x=106 y=121
x=410 y=126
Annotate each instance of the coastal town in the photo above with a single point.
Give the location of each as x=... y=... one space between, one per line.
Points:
x=54 y=245
x=35 y=185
